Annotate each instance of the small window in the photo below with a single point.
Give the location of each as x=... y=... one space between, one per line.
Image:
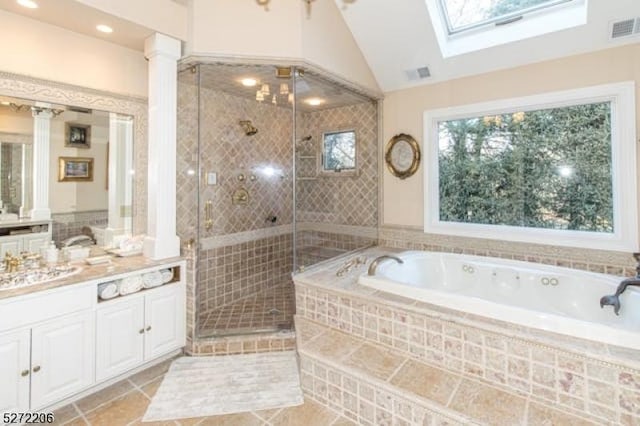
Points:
x=554 y=169
x=339 y=152
x=462 y=15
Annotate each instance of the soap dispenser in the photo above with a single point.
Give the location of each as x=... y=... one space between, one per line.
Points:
x=51 y=254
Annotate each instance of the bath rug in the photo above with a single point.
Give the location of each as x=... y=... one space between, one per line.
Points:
x=211 y=386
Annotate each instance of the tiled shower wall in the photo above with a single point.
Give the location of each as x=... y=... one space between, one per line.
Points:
x=238 y=255
x=337 y=199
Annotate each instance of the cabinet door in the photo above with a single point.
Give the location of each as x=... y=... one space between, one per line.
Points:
x=14 y=371
x=62 y=358
x=33 y=243
x=120 y=336
x=11 y=245
x=164 y=320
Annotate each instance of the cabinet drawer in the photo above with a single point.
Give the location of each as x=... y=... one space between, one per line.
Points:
x=25 y=310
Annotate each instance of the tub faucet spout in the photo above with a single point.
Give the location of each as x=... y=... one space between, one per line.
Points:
x=613 y=299
x=377 y=260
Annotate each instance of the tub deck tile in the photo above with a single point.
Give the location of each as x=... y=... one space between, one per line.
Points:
x=488 y=404
x=374 y=361
x=427 y=382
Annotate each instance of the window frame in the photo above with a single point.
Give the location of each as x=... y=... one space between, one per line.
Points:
x=546 y=8
x=321 y=158
x=623 y=165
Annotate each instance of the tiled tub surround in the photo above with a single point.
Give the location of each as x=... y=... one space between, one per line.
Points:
x=578 y=377
x=65 y=225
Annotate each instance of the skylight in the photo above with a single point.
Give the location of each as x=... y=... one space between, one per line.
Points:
x=464 y=15
x=464 y=26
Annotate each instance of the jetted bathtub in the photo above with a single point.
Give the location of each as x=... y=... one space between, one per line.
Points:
x=561 y=300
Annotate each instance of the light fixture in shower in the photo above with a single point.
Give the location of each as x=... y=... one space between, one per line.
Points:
x=274 y=100
x=314 y=101
x=249 y=129
x=265 y=89
x=284 y=89
x=259 y=96
x=249 y=82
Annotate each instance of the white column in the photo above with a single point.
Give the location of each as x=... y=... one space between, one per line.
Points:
x=163 y=53
x=120 y=183
x=41 y=134
x=27 y=183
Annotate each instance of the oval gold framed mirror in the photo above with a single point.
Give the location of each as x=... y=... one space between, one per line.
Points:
x=402 y=155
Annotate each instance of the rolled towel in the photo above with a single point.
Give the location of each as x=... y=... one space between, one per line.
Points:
x=130 y=285
x=152 y=279
x=108 y=290
x=167 y=275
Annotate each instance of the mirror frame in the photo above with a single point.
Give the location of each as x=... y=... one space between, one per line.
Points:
x=35 y=89
x=415 y=154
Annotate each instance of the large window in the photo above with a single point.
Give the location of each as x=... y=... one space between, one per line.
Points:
x=557 y=168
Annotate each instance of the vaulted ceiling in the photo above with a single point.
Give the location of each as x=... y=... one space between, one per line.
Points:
x=396 y=36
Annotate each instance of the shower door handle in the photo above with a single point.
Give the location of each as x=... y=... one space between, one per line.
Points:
x=208 y=215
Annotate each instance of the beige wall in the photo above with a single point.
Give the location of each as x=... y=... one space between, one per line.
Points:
x=328 y=42
x=45 y=51
x=403 y=110
x=241 y=29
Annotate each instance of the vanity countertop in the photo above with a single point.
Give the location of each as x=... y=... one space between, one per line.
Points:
x=118 y=266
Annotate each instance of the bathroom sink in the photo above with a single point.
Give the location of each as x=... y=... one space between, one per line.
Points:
x=26 y=278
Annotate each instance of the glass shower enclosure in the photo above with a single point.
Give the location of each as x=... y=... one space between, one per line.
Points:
x=277 y=171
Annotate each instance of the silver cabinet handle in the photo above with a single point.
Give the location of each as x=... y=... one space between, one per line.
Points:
x=36 y=368
x=148 y=328
x=141 y=331
x=24 y=373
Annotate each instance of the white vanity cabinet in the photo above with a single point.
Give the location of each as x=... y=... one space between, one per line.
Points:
x=15 y=367
x=57 y=343
x=46 y=363
x=138 y=328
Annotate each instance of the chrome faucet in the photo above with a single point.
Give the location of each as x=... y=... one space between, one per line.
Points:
x=377 y=260
x=613 y=299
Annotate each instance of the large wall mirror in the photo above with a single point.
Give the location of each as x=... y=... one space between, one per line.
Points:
x=91 y=165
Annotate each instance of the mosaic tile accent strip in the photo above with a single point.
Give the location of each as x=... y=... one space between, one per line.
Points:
x=577 y=376
x=601 y=261
x=65 y=225
x=247 y=344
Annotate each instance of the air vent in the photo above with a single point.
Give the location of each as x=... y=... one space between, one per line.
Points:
x=625 y=28
x=418 y=73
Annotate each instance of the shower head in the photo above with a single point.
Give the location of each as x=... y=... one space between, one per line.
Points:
x=305 y=139
x=249 y=129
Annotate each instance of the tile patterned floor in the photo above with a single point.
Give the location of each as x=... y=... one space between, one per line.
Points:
x=267 y=311
x=124 y=403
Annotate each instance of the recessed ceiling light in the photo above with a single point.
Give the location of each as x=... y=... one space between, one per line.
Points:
x=314 y=101
x=249 y=82
x=28 y=4
x=104 y=28
x=5 y=103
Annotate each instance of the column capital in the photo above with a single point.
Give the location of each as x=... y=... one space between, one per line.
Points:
x=162 y=45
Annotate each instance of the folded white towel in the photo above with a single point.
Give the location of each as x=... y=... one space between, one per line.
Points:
x=167 y=275
x=152 y=279
x=130 y=285
x=108 y=290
